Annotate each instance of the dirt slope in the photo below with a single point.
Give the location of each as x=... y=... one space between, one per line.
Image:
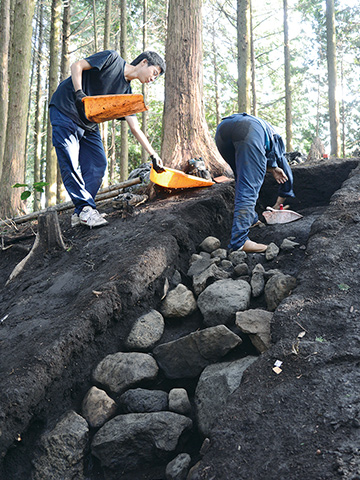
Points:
x=54 y=328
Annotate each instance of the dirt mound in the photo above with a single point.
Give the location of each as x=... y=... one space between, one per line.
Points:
x=65 y=312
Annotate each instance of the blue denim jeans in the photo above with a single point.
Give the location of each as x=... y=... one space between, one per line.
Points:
x=81 y=158
x=241 y=141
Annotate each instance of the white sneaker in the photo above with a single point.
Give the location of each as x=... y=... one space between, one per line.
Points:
x=91 y=218
x=75 y=219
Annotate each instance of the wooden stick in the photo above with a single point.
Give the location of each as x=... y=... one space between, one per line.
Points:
x=107 y=192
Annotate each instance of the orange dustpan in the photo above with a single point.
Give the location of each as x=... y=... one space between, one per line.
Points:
x=101 y=108
x=172 y=178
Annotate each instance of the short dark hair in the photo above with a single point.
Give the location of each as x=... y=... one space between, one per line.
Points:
x=152 y=58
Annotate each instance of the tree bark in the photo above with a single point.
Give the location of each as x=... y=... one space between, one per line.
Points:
x=38 y=109
x=4 y=84
x=288 y=103
x=244 y=55
x=332 y=79
x=144 y=89
x=19 y=70
x=51 y=160
x=186 y=134
x=124 y=154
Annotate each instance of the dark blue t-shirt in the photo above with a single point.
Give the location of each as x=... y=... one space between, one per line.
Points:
x=104 y=78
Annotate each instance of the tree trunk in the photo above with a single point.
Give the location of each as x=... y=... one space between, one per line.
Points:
x=19 y=70
x=244 y=57
x=332 y=79
x=4 y=85
x=95 y=27
x=288 y=105
x=186 y=134
x=253 y=68
x=124 y=160
x=51 y=161
x=38 y=110
x=104 y=127
x=144 y=89
x=215 y=54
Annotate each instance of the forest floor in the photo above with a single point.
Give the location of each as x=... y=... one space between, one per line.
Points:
x=69 y=309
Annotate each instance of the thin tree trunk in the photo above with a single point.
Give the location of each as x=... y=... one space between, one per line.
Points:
x=216 y=73
x=332 y=79
x=186 y=134
x=124 y=160
x=51 y=161
x=288 y=104
x=343 y=116
x=144 y=115
x=253 y=67
x=95 y=27
x=64 y=73
x=19 y=70
x=244 y=63
x=104 y=127
x=38 y=96
x=4 y=67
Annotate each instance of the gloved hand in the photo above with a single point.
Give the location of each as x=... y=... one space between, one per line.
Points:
x=79 y=95
x=157 y=163
x=198 y=168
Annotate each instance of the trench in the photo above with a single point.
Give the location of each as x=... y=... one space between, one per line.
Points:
x=314 y=188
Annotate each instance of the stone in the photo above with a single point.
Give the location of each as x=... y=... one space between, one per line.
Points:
x=277 y=288
x=272 y=251
x=97 y=407
x=288 y=245
x=175 y=279
x=216 y=383
x=208 y=276
x=132 y=441
x=236 y=257
x=189 y=355
x=179 y=401
x=63 y=450
x=178 y=468
x=219 y=252
x=241 y=270
x=178 y=303
x=201 y=264
x=256 y=323
x=121 y=371
x=210 y=244
x=221 y=300
x=257 y=280
x=140 y=400
x=146 y=331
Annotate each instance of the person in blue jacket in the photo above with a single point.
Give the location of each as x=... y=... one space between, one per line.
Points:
x=77 y=141
x=251 y=147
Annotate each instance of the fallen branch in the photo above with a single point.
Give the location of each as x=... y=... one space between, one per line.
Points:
x=107 y=192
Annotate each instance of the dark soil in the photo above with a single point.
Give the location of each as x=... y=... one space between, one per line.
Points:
x=69 y=309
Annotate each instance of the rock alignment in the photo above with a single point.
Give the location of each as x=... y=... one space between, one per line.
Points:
x=129 y=420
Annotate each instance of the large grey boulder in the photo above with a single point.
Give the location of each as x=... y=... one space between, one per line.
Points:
x=146 y=331
x=210 y=244
x=178 y=468
x=128 y=442
x=257 y=280
x=220 y=301
x=189 y=355
x=121 y=371
x=256 y=323
x=179 y=302
x=277 y=288
x=63 y=450
x=216 y=383
x=209 y=275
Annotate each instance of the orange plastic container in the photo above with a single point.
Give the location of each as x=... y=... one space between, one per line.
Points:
x=101 y=108
x=172 y=178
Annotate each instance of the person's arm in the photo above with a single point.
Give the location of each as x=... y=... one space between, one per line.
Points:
x=76 y=73
x=141 y=138
x=278 y=173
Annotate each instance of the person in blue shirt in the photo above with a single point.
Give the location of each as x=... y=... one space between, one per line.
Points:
x=77 y=141
x=251 y=147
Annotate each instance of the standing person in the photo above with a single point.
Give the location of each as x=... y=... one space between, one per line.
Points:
x=251 y=147
x=77 y=140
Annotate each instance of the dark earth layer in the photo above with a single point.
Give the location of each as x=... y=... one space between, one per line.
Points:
x=303 y=423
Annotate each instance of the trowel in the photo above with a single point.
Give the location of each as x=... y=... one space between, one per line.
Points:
x=273 y=216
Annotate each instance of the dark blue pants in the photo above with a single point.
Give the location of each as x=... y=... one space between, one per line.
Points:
x=78 y=149
x=241 y=142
